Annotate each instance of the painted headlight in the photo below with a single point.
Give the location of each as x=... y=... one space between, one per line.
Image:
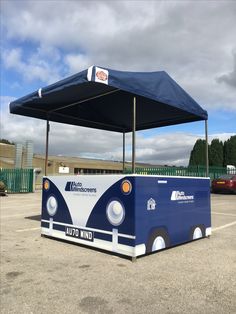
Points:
x=52 y=205
x=115 y=213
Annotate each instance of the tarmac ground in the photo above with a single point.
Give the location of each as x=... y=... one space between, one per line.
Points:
x=42 y=275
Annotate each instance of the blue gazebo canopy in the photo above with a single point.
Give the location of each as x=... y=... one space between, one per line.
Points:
x=102 y=98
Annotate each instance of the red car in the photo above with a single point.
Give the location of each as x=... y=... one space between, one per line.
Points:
x=225 y=183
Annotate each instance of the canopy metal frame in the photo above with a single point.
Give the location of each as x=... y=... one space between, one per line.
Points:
x=46 y=148
x=134 y=135
x=133 y=142
x=206 y=139
x=123 y=152
x=123 y=159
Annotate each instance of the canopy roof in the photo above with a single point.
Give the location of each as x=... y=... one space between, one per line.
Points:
x=102 y=98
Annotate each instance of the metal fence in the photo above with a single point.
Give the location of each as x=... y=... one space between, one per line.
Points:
x=22 y=180
x=193 y=171
x=18 y=180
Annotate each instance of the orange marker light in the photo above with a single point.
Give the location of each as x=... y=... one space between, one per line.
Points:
x=46 y=185
x=126 y=187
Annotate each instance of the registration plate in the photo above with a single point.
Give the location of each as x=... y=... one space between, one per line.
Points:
x=221 y=182
x=79 y=233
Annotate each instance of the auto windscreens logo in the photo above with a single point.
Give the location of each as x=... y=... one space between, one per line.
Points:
x=181 y=197
x=73 y=186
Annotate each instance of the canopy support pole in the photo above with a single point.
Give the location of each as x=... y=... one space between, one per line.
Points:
x=133 y=134
x=46 y=149
x=123 y=152
x=206 y=138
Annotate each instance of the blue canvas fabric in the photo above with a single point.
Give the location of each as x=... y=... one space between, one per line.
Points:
x=103 y=98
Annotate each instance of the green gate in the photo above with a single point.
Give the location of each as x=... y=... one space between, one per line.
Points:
x=18 y=180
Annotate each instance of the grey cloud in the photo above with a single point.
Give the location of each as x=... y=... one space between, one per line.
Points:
x=230 y=78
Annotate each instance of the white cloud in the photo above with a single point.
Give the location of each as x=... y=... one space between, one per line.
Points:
x=77 y=62
x=35 y=68
x=194 y=44
x=221 y=136
x=12 y=59
x=17 y=128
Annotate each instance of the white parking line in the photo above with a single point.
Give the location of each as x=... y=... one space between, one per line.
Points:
x=221 y=203
x=224 y=214
x=224 y=226
x=214 y=229
x=20 y=205
x=29 y=229
x=20 y=215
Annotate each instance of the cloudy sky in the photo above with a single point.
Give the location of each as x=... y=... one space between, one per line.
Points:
x=43 y=41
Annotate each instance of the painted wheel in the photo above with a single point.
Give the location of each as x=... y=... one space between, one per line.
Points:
x=197 y=232
x=158 y=240
x=158 y=244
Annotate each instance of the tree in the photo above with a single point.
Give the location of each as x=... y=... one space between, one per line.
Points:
x=226 y=153
x=230 y=151
x=198 y=153
x=3 y=140
x=219 y=154
x=216 y=153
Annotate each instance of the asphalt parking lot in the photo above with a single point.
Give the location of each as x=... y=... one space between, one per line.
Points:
x=41 y=275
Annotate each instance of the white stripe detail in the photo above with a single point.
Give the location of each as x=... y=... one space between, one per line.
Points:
x=102 y=244
x=128 y=236
x=89 y=73
x=122 y=235
x=140 y=249
x=224 y=226
x=50 y=226
x=114 y=240
x=208 y=231
x=40 y=93
x=166 y=176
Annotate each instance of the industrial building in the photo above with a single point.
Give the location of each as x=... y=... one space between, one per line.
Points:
x=22 y=156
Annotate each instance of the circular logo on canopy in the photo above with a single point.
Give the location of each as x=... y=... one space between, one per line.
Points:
x=101 y=75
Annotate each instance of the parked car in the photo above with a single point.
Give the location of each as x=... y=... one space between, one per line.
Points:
x=225 y=183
